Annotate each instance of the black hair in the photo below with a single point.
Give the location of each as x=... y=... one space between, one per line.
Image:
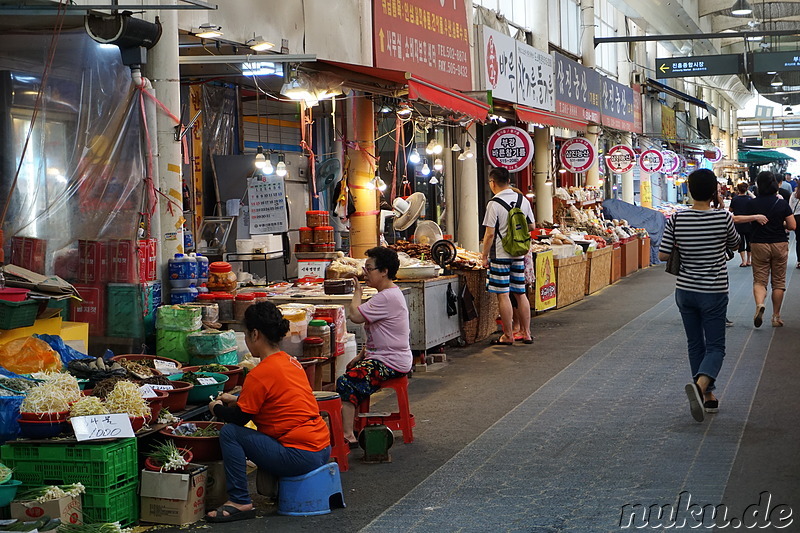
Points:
x=385 y=259
x=742 y=187
x=703 y=185
x=266 y=318
x=767 y=184
x=500 y=176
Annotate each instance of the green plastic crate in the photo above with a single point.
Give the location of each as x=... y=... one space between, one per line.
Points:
x=63 y=305
x=118 y=505
x=97 y=466
x=173 y=344
x=124 y=314
x=228 y=358
x=18 y=314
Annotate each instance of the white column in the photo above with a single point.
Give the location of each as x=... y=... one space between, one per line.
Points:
x=448 y=182
x=544 y=192
x=164 y=72
x=593 y=174
x=468 y=229
x=627 y=177
x=587 y=33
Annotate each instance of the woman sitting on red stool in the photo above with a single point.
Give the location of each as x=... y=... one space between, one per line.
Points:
x=387 y=352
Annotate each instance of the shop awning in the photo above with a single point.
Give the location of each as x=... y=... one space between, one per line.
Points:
x=763 y=157
x=425 y=90
x=681 y=96
x=538 y=116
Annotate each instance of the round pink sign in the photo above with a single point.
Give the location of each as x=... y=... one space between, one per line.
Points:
x=651 y=161
x=717 y=154
x=671 y=162
x=578 y=154
x=621 y=158
x=511 y=148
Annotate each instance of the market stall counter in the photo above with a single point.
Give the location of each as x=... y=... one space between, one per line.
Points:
x=485 y=304
x=630 y=255
x=570 y=280
x=598 y=269
x=616 y=262
x=644 y=252
x=433 y=309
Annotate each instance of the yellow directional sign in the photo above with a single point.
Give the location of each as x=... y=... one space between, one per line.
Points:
x=664 y=67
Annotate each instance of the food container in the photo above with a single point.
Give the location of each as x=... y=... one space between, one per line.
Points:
x=313 y=348
x=221 y=277
x=224 y=301
x=303 y=248
x=199 y=394
x=8 y=491
x=177 y=397
x=11 y=294
x=242 y=302
x=339 y=286
x=306 y=235
x=320 y=328
x=147 y=360
x=40 y=429
x=323 y=234
x=316 y=218
x=203 y=448
x=156 y=404
x=329 y=247
x=234 y=374
x=261 y=297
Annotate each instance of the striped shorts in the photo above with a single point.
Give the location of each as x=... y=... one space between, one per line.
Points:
x=507 y=274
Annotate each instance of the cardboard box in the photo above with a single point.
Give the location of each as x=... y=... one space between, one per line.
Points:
x=216 y=491
x=68 y=508
x=176 y=499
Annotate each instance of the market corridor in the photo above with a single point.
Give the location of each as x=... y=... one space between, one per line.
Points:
x=561 y=435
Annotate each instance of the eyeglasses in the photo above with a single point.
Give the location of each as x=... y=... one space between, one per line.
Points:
x=370 y=268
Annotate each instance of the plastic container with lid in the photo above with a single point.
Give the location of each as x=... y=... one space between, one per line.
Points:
x=306 y=235
x=260 y=296
x=202 y=269
x=332 y=326
x=182 y=295
x=323 y=234
x=182 y=271
x=210 y=308
x=303 y=248
x=221 y=277
x=316 y=218
x=240 y=305
x=314 y=347
x=350 y=353
x=320 y=328
x=298 y=324
x=329 y=247
x=224 y=301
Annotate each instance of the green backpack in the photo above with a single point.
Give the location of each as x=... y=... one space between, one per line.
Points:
x=517 y=240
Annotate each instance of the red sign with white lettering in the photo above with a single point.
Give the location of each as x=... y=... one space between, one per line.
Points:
x=427 y=37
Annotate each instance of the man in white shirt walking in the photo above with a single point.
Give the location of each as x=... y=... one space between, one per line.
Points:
x=506 y=273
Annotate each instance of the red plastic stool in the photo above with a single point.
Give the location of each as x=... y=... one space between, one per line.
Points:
x=331 y=403
x=400 y=421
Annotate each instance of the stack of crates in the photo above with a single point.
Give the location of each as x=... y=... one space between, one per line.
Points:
x=109 y=471
x=131 y=310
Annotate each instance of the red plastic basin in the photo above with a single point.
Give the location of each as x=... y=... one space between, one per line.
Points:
x=11 y=294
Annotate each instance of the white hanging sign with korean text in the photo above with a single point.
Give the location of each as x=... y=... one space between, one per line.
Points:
x=92 y=427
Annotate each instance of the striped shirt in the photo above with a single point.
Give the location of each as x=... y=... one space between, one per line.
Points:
x=701 y=238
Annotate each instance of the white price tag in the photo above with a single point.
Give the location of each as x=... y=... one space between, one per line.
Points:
x=161 y=364
x=147 y=391
x=92 y=427
x=207 y=381
x=162 y=387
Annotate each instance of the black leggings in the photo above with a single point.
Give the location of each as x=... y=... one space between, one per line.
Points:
x=744 y=241
x=797 y=237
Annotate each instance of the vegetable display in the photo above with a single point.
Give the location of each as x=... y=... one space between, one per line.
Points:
x=52 y=492
x=213 y=368
x=191 y=430
x=126 y=398
x=136 y=368
x=112 y=527
x=157 y=380
x=103 y=388
x=45 y=398
x=168 y=456
x=88 y=405
x=5 y=473
x=95 y=369
x=16 y=384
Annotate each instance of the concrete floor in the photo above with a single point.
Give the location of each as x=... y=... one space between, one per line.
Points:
x=560 y=435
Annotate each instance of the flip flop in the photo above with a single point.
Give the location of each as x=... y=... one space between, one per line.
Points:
x=233 y=515
x=527 y=341
x=758 y=318
x=695 y=401
x=743 y=265
x=498 y=342
x=353 y=444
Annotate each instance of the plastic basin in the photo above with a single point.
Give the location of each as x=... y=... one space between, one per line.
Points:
x=154 y=466
x=11 y=294
x=8 y=490
x=200 y=394
x=40 y=429
x=50 y=417
x=178 y=397
x=156 y=404
x=203 y=448
x=137 y=422
x=139 y=357
x=234 y=374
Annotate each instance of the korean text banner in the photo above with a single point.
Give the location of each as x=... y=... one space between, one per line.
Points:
x=430 y=39
x=577 y=90
x=617 y=105
x=515 y=71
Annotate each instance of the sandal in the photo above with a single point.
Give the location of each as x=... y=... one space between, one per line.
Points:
x=498 y=342
x=777 y=322
x=758 y=318
x=233 y=515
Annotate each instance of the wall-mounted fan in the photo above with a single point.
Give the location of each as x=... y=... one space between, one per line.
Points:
x=405 y=211
x=328 y=173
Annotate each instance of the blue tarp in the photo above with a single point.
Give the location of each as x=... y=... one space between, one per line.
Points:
x=639 y=217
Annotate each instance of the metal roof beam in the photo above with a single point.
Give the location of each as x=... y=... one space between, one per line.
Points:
x=684 y=36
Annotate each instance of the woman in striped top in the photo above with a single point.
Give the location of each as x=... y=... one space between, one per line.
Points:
x=702 y=235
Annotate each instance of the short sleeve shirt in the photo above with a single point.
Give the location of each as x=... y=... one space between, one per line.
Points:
x=388 y=329
x=497 y=217
x=278 y=396
x=776 y=209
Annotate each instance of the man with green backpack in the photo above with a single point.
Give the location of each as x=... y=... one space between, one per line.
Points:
x=508 y=221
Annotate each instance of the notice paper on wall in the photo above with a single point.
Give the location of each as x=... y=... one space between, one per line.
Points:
x=267 y=201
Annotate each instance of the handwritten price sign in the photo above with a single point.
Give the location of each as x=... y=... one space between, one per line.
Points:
x=94 y=427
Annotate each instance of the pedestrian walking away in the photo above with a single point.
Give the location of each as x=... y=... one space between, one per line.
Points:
x=701 y=236
x=794 y=205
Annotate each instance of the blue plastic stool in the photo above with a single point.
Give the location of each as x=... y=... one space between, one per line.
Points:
x=311 y=494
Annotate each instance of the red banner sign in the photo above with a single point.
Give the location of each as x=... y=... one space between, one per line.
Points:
x=651 y=161
x=428 y=38
x=578 y=154
x=511 y=148
x=621 y=158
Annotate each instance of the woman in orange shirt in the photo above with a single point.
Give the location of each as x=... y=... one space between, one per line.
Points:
x=292 y=439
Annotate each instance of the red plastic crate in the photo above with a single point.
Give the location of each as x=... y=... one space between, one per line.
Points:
x=92 y=309
x=92 y=261
x=148 y=248
x=29 y=253
x=123 y=261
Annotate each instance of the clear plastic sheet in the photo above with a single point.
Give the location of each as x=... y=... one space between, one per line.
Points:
x=83 y=172
x=219 y=119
